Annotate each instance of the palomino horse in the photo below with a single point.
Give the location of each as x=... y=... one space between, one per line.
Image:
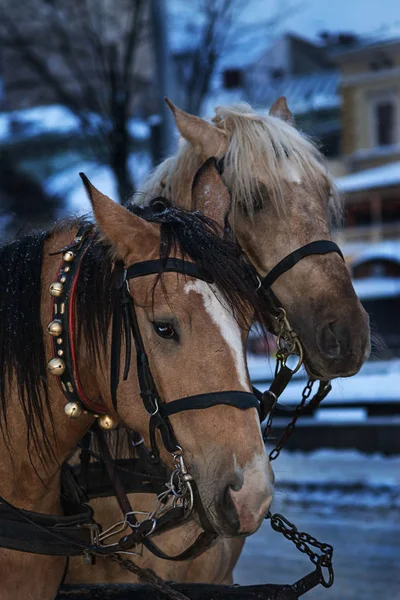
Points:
x=282 y=198
x=191 y=326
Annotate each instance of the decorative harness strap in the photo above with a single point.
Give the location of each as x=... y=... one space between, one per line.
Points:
x=61 y=328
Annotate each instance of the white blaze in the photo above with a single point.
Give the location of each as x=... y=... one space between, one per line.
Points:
x=291 y=173
x=221 y=315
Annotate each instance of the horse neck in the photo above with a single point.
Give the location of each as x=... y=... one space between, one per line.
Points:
x=31 y=477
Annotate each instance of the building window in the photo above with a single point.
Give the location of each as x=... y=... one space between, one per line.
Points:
x=233 y=78
x=359 y=214
x=385 y=123
x=390 y=210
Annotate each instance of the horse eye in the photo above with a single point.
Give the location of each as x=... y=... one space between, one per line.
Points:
x=165 y=330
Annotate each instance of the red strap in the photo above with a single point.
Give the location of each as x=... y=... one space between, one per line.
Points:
x=92 y=406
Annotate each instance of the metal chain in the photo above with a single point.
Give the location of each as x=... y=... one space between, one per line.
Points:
x=303 y=542
x=273 y=455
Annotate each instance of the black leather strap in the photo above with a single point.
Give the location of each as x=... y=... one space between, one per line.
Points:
x=241 y=400
x=39 y=533
x=171 y=265
x=287 y=263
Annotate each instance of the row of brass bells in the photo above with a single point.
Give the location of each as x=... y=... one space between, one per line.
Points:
x=73 y=410
x=56 y=366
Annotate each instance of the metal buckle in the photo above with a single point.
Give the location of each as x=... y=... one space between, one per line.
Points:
x=95 y=532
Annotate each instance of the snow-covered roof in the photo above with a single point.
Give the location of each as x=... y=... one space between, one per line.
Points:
x=306 y=92
x=369 y=179
x=371 y=42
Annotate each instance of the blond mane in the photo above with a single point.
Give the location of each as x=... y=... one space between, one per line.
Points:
x=256 y=143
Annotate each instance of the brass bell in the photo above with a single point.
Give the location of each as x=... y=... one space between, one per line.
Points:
x=107 y=422
x=56 y=289
x=73 y=410
x=55 y=328
x=56 y=366
x=68 y=256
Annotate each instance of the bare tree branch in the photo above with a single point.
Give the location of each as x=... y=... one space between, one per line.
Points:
x=84 y=53
x=217 y=29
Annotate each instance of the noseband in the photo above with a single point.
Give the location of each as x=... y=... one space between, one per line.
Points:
x=287 y=263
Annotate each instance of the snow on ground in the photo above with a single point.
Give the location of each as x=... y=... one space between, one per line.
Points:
x=338 y=467
x=332 y=480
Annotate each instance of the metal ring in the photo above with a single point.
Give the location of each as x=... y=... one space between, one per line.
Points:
x=300 y=350
x=154 y=525
x=156 y=411
x=134 y=444
x=325 y=582
x=259 y=283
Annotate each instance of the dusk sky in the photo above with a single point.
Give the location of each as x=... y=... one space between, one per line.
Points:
x=362 y=16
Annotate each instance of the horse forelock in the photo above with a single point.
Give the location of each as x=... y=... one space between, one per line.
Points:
x=268 y=146
x=257 y=144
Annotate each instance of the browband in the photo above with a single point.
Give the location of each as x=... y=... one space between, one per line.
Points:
x=242 y=400
x=287 y=263
x=170 y=265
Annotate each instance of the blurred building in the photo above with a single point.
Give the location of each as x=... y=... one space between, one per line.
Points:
x=370 y=117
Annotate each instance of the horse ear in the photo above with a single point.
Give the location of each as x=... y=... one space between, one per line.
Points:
x=131 y=237
x=206 y=138
x=209 y=193
x=281 y=110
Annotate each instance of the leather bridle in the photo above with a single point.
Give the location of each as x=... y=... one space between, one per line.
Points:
x=125 y=312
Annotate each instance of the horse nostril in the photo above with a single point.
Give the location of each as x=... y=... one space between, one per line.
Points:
x=229 y=509
x=330 y=341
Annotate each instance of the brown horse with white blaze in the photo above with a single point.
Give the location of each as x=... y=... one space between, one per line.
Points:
x=194 y=333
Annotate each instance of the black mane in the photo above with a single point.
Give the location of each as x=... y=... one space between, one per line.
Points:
x=21 y=336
